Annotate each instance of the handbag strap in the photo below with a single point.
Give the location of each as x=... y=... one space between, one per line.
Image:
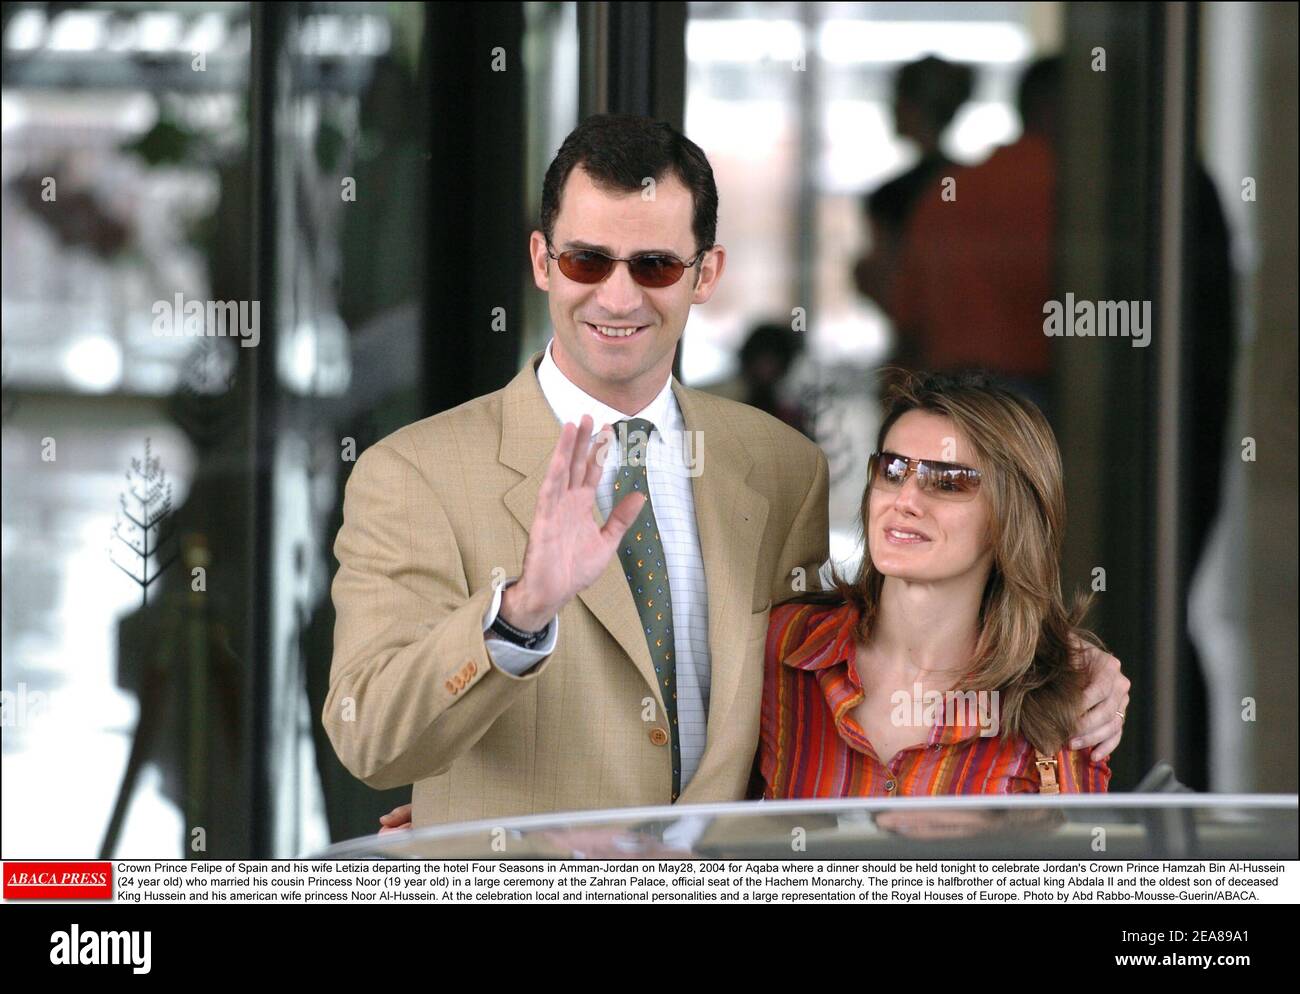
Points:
x=1046 y=773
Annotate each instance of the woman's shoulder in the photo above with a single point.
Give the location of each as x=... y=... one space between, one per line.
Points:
x=788 y=611
x=806 y=625
x=786 y=624
x=1078 y=773
x=816 y=601
x=799 y=615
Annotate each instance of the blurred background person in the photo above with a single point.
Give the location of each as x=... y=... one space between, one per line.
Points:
x=769 y=351
x=976 y=263
x=927 y=95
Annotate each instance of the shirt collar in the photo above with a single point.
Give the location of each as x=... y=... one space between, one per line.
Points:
x=829 y=649
x=570 y=402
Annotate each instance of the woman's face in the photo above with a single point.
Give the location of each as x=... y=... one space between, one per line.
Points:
x=923 y=537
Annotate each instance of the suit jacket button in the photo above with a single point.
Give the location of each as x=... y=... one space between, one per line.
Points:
x=658 y=736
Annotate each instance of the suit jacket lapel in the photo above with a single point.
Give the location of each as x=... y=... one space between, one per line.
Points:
x=729 y=514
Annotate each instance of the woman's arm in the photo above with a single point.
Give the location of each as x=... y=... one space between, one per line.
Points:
x=1077 y=773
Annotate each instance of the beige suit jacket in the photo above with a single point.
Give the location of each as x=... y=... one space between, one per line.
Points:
x=436 y=512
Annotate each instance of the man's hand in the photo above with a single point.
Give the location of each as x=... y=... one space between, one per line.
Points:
x=567 y=550
x=1105 y=701
x=396 y=820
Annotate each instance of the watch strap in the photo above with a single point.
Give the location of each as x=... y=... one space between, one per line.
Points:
x=527 y=640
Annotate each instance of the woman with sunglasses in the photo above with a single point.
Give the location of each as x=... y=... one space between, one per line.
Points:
x=948 y=664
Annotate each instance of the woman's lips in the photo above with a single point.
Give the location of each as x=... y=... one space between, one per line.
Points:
x=903 y=536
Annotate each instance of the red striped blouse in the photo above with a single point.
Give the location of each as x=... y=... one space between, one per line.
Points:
x=811 y=746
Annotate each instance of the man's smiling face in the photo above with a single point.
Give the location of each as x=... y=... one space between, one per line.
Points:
x=624 y=371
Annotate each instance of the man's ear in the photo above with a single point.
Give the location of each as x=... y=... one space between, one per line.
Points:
x=710 y=266
x=539 y=260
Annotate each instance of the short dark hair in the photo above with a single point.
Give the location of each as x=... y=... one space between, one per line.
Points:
x=936 y=87
x=618 y=151
x=774 y=339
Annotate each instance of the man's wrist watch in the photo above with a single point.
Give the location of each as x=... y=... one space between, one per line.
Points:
x=527 y=640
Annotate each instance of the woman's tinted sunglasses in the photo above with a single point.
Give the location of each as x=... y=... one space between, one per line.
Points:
x=950 y=480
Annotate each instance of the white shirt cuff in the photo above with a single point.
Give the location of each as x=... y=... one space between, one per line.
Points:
x=515 y=659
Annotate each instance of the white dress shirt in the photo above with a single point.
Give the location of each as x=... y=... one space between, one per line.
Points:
x=672 y=499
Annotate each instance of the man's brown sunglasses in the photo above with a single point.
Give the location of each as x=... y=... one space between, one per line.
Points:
x=650 y=269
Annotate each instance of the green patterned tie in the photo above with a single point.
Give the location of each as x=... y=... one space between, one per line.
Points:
x=642 y=555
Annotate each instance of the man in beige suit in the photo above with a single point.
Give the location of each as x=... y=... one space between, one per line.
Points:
x=498 y=641
x=437 y=514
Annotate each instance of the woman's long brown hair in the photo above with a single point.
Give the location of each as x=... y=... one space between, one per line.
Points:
x=1029 y=642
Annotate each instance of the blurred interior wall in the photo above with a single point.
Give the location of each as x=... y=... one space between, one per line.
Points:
x=1106 y=247
x=1270 y=405
x=1243 y=599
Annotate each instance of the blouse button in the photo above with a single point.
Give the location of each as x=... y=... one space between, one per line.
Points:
x=890 y=785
